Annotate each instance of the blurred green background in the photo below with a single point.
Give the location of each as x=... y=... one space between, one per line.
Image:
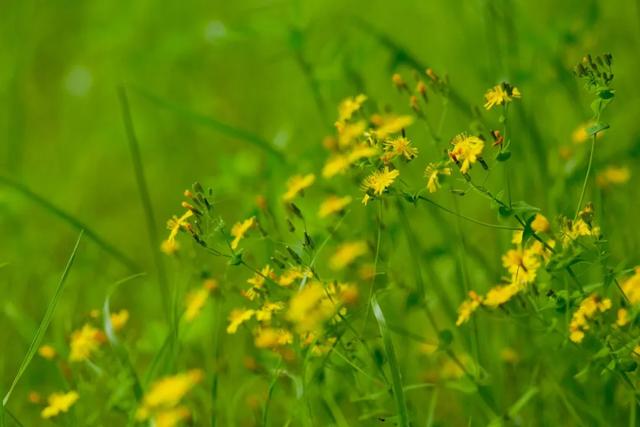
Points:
x=275 y=70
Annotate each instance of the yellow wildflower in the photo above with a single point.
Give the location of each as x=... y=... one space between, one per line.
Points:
x=571 y=230
x=500 y=94
x=170 y=245
x=84 y=342
x=171 y=417
x=467 y=307
x=336 y=164
x=501 y=294
x=432 y=173
x=588 y=309
x=466 y=151
x=347 y=253
x=390 y=124
x=349 y=132
x=47 y=352
x=613 y=175
x=380 y=180
x=237 y=318
x=296 y=185
x=580 y=134
x=349 y=106
x=516 y=238
x=540 y=224
x=119 y=319
x=195 y=300
x=522 y=264
x=310 y=308
x=266 y=311
x=398 y=147
x=59 y=402
x=333 y=204
x=631 y=287
x=622 y=317
x=293 y=274
x=272 y=338
x=167 y=393
x=361 y=151
x=239 y=229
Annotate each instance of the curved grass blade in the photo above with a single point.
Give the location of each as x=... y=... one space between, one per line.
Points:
x=396 y=377
x=144 y=196
x=211 y=123
x=69 y=219
x=44 y=324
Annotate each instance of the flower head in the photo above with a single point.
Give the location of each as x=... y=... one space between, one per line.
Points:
x=170 y=245
x=166 y=393
x=467 y=307
x=432 y=173
x=59 y=402
x=47 y=352
x=350 y=105
x=85 y=342
x=390 y=124
x=347 y=253
x=332 y=205
x=379 y=181
x=239 y=230
x=399 y=147
x=588 y=309
x=466 y=151
x=296 y=185
x=500 y=94
x=238 y=317
x=501 y=294
x=119 y=319
x=613 y=175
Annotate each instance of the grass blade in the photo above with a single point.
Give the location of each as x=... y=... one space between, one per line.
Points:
x=44 y=324
x=144 y=196
x=71 y=220
x=212 y=123
x=396 y=378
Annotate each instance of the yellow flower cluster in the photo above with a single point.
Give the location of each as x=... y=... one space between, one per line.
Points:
x=588 y=309
x=59 y=402
x=500 y=95
x=161 y=402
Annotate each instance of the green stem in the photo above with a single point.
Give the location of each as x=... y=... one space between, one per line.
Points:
x=586 y=177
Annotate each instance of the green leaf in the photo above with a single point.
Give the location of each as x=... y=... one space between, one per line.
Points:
x=597 y=127
x=44 y=324
x=522 y=207
x=396 y=378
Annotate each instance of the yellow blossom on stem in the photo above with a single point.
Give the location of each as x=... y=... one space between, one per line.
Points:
x=432 y=173
x=171 y=417
x=380 y=180
x=500 y=94
x=196 y=299
x=361 y=151
x=59 y=402
x=398 y=147
x=501 y=294
x=622 y=317
x=264 y=313
x=350 y=105
x=332 y=205
x=467 y=307
x=310 y=308
x=47 y=352
x=292 y=274
x=390 y=124
x=588 y=309
x=166 y=393
x=336 y=164
x=540 y=224
x=347 y=253
x=272 y=338
x=631 y=287
x=239 y=230
x=84 y=342
x=522 y=264
x=170 y=245
x=296 y=185
x=466 y=151
x=349 y=132
x=119 y=319
x=238 y=317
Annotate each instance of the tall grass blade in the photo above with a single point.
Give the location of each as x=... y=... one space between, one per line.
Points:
x=44 y=324
x=144 y=196
x=396 y=378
